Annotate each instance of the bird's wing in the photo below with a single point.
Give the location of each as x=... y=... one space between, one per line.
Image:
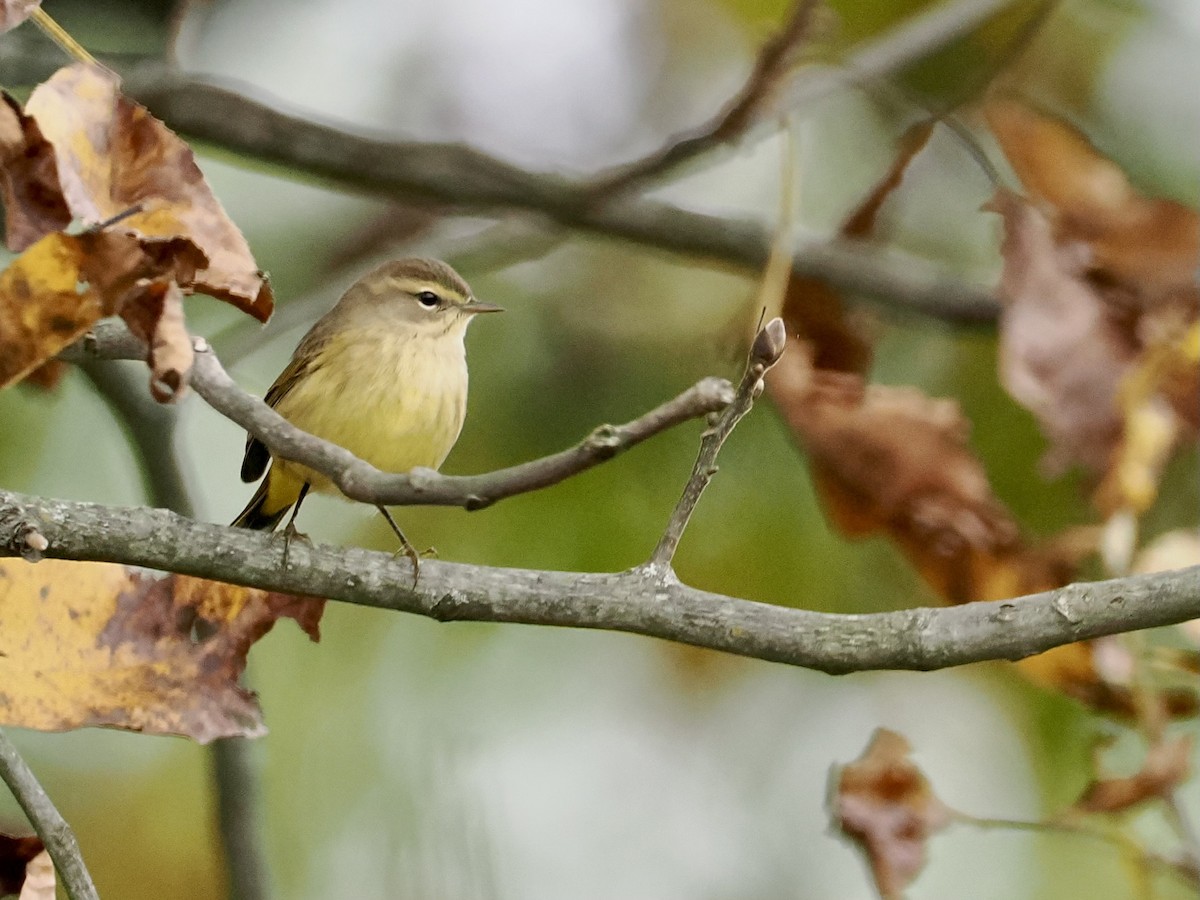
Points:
x=305 y=360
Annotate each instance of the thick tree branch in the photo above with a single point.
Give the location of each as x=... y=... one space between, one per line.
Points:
x=46 y=820
x=361 y=481
x=462 y=178
x=656 y=605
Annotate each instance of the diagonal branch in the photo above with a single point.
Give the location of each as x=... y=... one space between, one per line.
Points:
x=634 y=601
x=763 y=101
x=458 y=177
x=774 y=59
x=46 y=820
x=361 y=481
x=767 y=348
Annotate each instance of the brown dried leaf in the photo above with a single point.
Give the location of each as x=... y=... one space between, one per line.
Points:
x=157 y=318
x=14 y=12
x=59 y=287
x=33 y=203
x=97 y=644
x=16 y=854
x=1120 y=267
x=1150 y=244
x=1167 y=765
x=113 y=155
x=889 y=459
x=1062 y=354
x=42 y=308
x=885 y=804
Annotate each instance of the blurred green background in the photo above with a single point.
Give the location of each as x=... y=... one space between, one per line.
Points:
x=408 y=759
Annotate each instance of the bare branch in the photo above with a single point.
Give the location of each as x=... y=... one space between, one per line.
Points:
x=762 y=102
x=631 y=601
x=46 y=820
x=461 y=178
x=361 y=481
x=767 y=348
x=774 y=59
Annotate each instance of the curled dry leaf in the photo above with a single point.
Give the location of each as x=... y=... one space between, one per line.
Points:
x=81 y=150
x=892 y=460
x=98 y=644
x=113 y=155
x=16 y=855
x=1150 y=245
x=57 y=289
x=1104 y=279
x=1167 y=765
x=1063 y=355
x=885 y=804
x=157 y=318
x=33 y=202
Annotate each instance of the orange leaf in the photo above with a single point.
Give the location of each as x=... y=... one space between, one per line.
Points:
x=42 y=309
x=113 y=155
x=884 y=803
x=57 y=289
x=98 y=644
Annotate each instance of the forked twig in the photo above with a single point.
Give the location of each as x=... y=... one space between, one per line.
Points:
x=765 y=352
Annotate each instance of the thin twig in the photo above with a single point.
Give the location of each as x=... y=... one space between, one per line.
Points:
x=1113 y=837
x=459 y=178
x=765 y=352
x=774 y=59
x=151 y=430
x=912 y=40
x=46 y=820
x=360 y=481
x=59 y=35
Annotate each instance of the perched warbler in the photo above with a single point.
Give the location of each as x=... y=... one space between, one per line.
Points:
x=383 y=374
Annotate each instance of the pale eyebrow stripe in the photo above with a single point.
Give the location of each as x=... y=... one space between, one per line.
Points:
x=416 y=285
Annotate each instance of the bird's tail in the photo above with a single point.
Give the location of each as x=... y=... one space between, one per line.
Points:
x=255 y=515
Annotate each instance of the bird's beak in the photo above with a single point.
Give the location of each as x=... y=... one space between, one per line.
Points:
x=475 y=306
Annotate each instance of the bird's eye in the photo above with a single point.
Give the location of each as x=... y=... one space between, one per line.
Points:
x=428 y=299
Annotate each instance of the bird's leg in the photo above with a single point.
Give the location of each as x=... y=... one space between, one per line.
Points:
x=289 y=530
x=406 y=546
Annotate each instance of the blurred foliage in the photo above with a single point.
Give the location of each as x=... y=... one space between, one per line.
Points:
x=414 y=759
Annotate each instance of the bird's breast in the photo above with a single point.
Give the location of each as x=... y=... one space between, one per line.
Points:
x=396 y=402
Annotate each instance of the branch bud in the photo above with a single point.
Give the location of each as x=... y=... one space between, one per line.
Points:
x=769 y=344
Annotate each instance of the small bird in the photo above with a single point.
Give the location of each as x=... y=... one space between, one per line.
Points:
x=383 y=374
